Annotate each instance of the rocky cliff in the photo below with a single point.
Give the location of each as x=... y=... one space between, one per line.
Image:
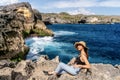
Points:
x=28 y=70
x=18 y=21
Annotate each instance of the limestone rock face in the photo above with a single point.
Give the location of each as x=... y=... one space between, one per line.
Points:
x=65 y=18
x=55 y=20
x=18 y=21
x=28 y=70
x=37 y=14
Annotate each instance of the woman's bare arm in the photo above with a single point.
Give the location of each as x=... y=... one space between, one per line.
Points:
x=72 y=61
x=87 y=64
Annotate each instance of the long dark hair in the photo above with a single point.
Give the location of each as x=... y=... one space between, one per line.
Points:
x=86 y=51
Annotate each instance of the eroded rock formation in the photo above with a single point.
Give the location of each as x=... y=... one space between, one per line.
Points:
x=18 y=21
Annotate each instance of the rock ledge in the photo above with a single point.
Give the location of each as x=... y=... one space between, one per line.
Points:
x=28 y=70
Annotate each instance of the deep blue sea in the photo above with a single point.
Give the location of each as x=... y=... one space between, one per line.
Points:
x=103 y=41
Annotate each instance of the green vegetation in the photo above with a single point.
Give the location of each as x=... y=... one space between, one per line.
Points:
x=40 y=32
x=20 y=56
x=37 y=32
x=64 y=13
x=25 y=33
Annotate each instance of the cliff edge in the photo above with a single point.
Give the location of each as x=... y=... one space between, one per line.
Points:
x=28 y=70
x=18 y=21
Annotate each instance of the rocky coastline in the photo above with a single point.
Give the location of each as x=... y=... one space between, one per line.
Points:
x=29 y=70
x=18 y=21
x=65 y=18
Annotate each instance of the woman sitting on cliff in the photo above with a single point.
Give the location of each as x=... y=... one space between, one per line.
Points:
x=75 y=65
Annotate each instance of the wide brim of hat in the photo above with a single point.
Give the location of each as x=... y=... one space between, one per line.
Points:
x=78 y=43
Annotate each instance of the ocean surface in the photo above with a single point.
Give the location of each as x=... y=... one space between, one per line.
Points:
x=103 y=41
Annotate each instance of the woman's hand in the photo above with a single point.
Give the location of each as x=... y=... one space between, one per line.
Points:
x=72 y=61
x=76 y=66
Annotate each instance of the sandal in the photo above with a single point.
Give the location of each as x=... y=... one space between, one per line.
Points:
x=47 y=73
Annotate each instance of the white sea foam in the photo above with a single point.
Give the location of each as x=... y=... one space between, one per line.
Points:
x=59 y=33
x=38 y=45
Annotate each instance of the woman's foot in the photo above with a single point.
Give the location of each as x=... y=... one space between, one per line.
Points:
x=48 y=73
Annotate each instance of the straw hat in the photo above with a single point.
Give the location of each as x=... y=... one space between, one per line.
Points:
x=80 y=43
